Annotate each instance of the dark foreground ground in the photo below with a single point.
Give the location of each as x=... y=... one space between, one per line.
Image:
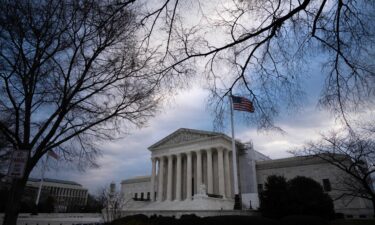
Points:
x=235 y=220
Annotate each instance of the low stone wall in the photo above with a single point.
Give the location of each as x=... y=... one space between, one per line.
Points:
x=179 y=213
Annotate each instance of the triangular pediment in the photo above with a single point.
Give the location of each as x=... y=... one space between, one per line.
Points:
x=181 y=136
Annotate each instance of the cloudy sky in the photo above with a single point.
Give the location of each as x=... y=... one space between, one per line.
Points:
x=129 y=156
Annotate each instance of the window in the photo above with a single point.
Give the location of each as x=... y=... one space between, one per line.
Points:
x=326 y=185
x=136 y=195
x=260 y=187
x=142 y=196
x=148 y=195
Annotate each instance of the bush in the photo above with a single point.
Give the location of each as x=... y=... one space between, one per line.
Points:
x=306 y=197
x=273 y=200
x=139 y=219
x=237 y=220
x=303 y=219
x=190 y=219
x=299 y=196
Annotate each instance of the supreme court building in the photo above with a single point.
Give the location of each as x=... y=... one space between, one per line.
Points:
x=193 y=170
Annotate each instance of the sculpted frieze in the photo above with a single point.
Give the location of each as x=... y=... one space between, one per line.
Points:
x=183 y=137
x=203 y=144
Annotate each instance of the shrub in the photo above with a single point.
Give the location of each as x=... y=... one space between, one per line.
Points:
x=306 y=197
x=189 y=219
x=273 y=200
x=139 y=219
x=299 y=196
x=237 y=220
x=303 y=219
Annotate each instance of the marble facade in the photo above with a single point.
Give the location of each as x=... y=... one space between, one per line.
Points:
x=180 y=175
x=191 y=169
x=189 y=165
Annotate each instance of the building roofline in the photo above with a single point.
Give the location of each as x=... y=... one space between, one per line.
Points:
x=181 y=130
x=211 y=133
x=49 y=180
x=292 y=161
x=136 y=179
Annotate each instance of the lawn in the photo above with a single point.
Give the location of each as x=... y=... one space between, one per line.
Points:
x=235 y=220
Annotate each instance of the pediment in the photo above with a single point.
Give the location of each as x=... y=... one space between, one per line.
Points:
x=181 y=136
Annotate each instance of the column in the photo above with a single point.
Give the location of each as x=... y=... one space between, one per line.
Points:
x=188 y=177
x=210 y=176
x=169 y=182
x=199 y=170
x=161 y=178
x=221 y=171
x=152 y=191
x=228 y=184
x=178 y=178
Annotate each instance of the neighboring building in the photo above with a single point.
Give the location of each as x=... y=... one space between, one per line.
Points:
x=193 y=170
x=137 y=188
x=68 y=195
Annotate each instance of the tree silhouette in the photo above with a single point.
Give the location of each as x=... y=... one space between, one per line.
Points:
x=353 y=153
x=306 y=197
x=274 y=198
x=72 y=74
x=298 y=196
x=265 y=50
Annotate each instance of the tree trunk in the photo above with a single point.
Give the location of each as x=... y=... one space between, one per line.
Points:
x=13 y=203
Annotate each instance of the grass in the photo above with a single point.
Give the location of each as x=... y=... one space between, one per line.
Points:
x=235 y=220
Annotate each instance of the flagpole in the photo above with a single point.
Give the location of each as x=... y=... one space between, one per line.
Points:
x=237 y=200
x=41 y=182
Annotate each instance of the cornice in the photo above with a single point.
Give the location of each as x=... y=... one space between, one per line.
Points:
x=289 y=162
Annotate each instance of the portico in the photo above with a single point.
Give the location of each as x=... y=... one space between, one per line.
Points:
x=180 y=175
x=187 y=166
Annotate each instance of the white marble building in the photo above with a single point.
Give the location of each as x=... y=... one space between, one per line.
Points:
x=193 y=170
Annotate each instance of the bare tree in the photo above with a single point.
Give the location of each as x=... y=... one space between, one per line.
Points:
x=72 y=74
x=5 y=155
x=263 y=49
x=112 y=201
x=5 y=149
x=353 y=154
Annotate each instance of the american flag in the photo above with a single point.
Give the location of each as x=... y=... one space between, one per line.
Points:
x=242 y=104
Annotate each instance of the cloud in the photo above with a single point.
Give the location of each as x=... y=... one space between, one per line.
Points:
x=129 y=157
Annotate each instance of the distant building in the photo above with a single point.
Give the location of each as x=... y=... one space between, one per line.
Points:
x=193 y=170
x=68 y=195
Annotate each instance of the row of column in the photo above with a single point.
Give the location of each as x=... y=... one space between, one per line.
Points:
x=223 y=172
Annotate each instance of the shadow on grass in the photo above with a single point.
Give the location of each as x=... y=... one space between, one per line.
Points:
x=235 y=220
